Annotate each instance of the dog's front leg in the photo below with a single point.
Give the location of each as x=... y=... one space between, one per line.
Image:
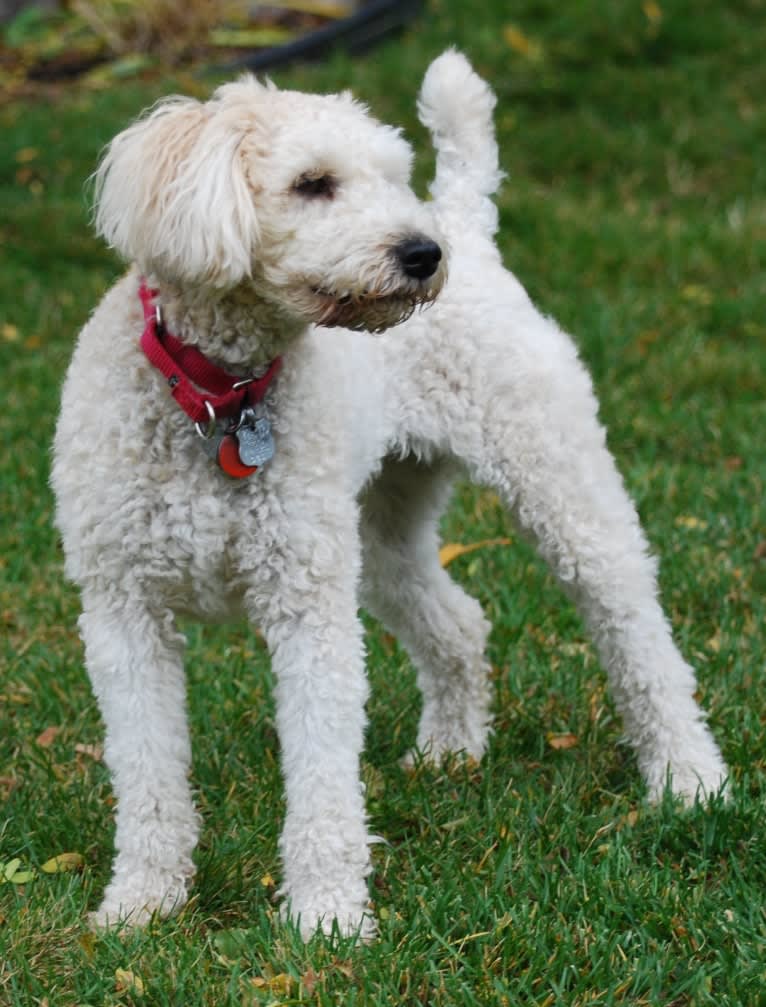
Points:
x=315 y=638
x=134 y=659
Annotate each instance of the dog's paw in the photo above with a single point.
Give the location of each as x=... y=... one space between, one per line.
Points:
x=690 y=783
x=447 y=741
x=697 y=773
x=311 y=918
x=129 y=907
x=438 y=758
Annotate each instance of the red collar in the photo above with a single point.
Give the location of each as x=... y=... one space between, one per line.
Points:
x=187 y=369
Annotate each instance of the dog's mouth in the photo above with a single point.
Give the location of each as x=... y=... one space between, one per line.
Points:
x=368 y=310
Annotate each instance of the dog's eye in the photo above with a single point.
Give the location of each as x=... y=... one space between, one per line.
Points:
x=316 y=186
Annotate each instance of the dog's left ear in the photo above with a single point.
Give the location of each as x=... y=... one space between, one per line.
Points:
x=172 y=194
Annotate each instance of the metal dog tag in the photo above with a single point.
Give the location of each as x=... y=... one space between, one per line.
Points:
x=256 y=443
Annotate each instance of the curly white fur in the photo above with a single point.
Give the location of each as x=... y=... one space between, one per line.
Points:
x=370 y=432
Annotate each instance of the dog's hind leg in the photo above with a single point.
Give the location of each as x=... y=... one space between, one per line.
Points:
x=134 y=659
x=442 y=628
x=534 y=437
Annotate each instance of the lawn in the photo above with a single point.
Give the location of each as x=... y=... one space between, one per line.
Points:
x=634 y=138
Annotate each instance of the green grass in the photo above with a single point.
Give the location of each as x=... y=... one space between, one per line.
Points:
x=635 y=213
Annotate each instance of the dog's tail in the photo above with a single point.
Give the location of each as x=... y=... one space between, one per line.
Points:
x=456 y=105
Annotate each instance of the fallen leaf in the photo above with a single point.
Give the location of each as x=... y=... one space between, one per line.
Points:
x=522 y=44
x=63 y=862
x=309 y=979
x=94 y=752
x=281 y=984
x=714 y=642
x=653 y=11
x=629 y=819
x=128 y=982
x=689 y=521
x=46 y=738
x=26 y=154
x=10 y=333
x=267 y=881
x=454 y=549
x=697 y=294
x=11 y=867
x=563 y=741
x=87 y=942
x=21 y=877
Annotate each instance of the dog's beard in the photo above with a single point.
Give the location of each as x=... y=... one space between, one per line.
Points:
x=372 y=308
x=369 y=312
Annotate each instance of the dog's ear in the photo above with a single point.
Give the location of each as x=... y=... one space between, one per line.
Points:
x=172 y=195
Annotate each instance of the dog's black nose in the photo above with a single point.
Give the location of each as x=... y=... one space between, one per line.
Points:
x=419 y=257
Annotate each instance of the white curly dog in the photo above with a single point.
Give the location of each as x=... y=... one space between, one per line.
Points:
x=259 y=220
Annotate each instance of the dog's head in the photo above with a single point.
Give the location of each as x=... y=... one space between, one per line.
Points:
x=305 y=198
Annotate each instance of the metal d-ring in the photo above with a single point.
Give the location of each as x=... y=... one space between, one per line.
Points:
x=158 y=320
x=209 y=431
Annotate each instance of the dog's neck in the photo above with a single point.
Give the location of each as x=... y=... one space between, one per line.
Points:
x=238 y=330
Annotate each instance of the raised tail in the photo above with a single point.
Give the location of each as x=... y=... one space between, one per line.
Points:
x=456 y=105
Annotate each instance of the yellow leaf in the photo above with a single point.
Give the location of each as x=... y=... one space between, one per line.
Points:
x=26 y=154
x=11 y=867
x=653 y=11
x=689 y=521
x=629 y=819
x=63 y=862
x=87 y=942
x=522 y=44
x=280 y=984
x=454 y=549
x=562 y=741
x=21 y=877
x=267 y=881
x=128 y=982
x=697 y=294
x=9 y=332
x=714 y=643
